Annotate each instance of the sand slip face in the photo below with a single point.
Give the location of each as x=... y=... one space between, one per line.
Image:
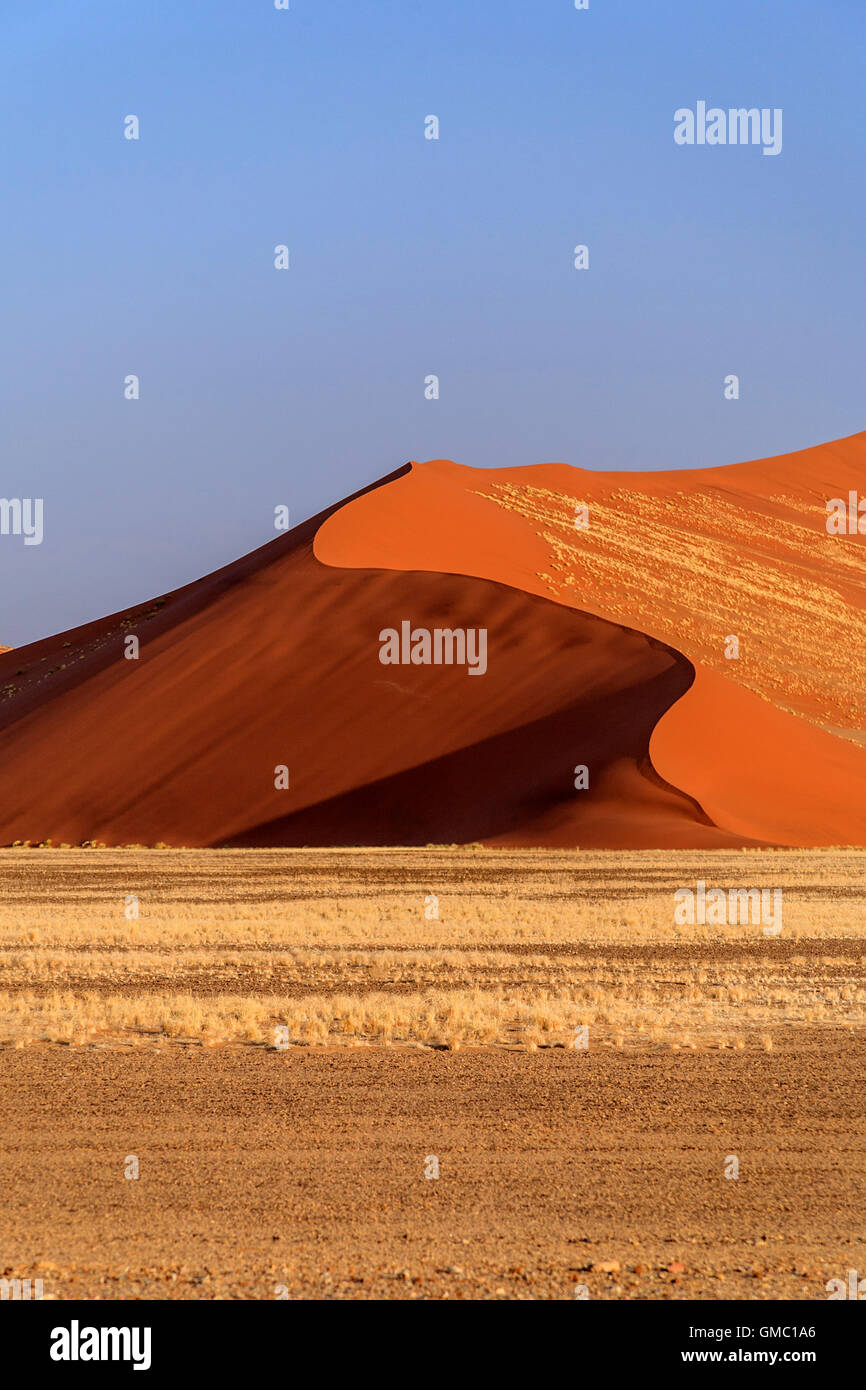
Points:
x=770 y=744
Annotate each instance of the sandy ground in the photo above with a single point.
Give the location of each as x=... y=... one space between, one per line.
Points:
x=301 y=1173
x=305 y=1171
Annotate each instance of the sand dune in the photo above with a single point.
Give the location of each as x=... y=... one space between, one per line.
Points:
x=606 y=649
x=771 y=744
x=276 y=661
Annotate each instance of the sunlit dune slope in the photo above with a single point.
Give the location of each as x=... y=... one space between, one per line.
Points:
x=771 y=744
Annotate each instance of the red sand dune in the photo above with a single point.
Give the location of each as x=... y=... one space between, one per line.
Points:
x=275 y=660
x=604 y=649
x=770 y=745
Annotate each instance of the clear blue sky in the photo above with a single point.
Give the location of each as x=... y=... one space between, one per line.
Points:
x=409 y=257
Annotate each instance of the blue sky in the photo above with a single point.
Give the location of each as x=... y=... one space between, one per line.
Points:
x=408 y=257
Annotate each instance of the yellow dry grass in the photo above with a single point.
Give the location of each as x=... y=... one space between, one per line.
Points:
x=339 y=948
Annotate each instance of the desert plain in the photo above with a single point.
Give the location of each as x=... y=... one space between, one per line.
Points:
x=288 y=1045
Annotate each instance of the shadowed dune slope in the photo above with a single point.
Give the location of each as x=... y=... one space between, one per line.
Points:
x=275 y=660
x=772 y=744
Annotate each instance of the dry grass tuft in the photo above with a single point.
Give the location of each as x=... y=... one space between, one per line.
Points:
x=335 y=946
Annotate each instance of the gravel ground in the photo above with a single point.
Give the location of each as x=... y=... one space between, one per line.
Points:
x=302 y=1174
